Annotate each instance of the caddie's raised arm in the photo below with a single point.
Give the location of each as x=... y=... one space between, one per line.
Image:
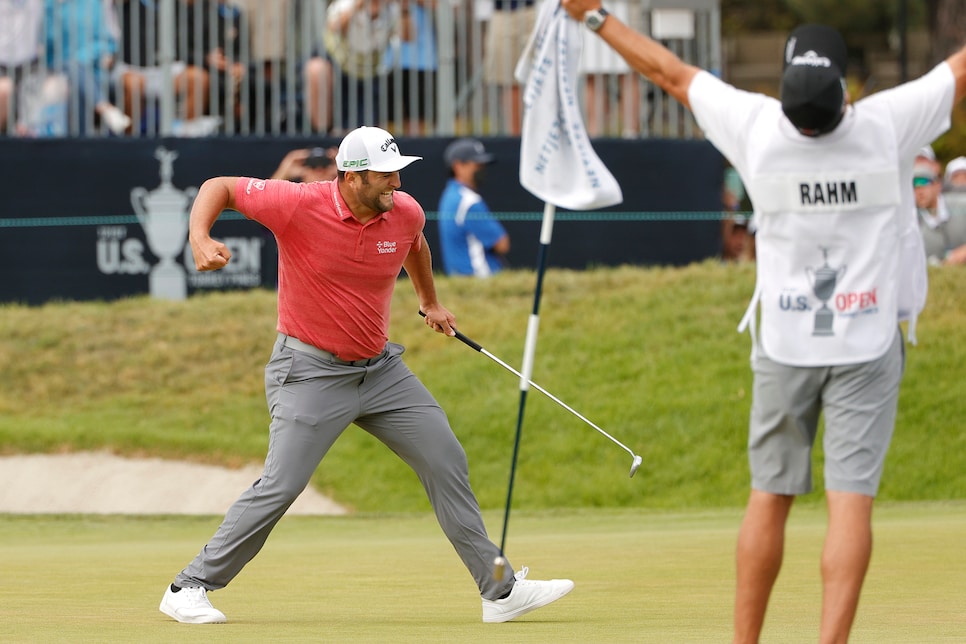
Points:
x=957 y=62
x=648 y=57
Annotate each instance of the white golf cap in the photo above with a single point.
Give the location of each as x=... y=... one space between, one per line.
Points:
x=956 y=165
x=371 y=148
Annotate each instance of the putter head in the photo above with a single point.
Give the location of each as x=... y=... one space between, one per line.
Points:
x=636 y=464
x=499 y=568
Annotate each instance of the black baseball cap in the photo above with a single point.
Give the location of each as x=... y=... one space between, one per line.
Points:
x=466 y=150
x=813 y=80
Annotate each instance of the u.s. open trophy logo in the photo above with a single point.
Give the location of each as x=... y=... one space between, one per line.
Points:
x=163 y=213
x=823 y=280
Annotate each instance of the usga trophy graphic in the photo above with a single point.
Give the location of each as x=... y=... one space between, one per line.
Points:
x=163 y=213
x=823 y=280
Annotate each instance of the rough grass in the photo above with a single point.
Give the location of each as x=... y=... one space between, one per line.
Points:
x=648 y=354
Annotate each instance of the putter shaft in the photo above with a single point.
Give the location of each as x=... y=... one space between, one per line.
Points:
x=476 y=346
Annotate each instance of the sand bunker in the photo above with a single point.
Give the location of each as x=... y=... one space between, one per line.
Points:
x=102 y=483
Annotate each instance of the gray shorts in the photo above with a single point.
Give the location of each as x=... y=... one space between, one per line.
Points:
x=859 y=404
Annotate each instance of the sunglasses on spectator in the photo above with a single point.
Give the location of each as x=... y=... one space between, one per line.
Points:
x=919 y=182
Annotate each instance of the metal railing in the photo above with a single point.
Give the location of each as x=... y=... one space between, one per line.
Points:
x=149 y=68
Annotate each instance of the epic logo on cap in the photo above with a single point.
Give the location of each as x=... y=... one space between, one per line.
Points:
x=371 y=148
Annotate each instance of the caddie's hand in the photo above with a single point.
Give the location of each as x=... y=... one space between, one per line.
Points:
x=956 y=256
x=209 y=254
x=577 y=8
x=439 y=319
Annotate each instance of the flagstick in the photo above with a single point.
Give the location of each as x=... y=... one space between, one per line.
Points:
x=529 y=350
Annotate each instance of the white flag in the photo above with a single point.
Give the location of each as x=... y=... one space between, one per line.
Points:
x=557 y=163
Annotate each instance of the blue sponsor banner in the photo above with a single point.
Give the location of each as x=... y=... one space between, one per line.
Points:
x=107 y=218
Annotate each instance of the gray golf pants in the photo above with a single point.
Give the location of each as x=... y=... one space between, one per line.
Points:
x=312 y=399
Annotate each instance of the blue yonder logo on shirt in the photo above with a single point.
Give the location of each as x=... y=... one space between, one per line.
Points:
x=384 y=247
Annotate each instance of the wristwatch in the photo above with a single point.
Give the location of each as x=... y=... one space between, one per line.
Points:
x=594 y=19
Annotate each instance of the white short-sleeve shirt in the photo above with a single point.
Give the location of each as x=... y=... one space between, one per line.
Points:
x=839 y=257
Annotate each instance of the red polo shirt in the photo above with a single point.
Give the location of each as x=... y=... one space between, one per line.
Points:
x=335 y=274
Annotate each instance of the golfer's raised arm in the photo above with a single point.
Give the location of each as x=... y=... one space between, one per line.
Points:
x=214 y=196
x=647 y=56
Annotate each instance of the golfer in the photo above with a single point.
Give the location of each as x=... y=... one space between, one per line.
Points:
x=341 y=246
x=839 y=265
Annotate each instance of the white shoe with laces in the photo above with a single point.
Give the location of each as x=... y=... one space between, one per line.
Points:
x=527 y=595
x=190 y=606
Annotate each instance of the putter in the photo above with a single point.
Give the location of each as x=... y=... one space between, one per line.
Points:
x=476 y=346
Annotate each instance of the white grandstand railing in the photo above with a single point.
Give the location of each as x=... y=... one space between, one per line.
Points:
x=54 y=88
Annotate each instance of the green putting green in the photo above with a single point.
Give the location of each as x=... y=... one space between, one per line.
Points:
x=642 y=576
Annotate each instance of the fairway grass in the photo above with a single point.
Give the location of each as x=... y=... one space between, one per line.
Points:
x=640 y=577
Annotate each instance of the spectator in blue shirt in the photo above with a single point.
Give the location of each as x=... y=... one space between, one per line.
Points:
x=81 y=37
x=472 y=242
x=412 y=91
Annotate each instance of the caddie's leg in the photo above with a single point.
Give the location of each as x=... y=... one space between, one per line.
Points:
x=761 y=544
x=845 y=560
x=861 y=402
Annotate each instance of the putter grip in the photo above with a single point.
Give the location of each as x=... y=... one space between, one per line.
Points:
x=462 y=338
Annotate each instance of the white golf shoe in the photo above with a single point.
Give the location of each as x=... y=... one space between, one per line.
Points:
x=527 y=595
x=190 y=606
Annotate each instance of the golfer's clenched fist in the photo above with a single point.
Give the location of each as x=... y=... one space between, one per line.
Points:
x=210 y=254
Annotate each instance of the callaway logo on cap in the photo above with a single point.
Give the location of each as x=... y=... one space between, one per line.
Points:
x=371 y=148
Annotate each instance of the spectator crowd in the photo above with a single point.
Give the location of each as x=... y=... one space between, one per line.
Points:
x=941 y=207
x=103 y=67
x=116 y=67
x=107 y=67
